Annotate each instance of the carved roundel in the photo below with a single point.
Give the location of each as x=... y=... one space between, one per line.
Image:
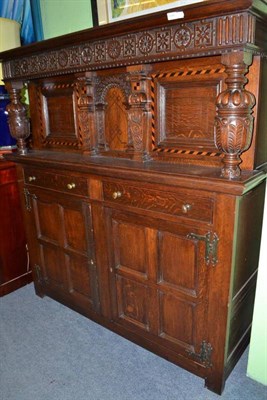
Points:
x=33 y=64
x=145 y=43
x=43 y=63
x=17 y=67
x=24 y=66
x=86 y=54
x=114 y=49
x=182 y=38
x=63 y=58
x=53 y=60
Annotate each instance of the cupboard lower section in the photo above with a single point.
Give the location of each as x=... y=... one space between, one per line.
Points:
x=180 y=284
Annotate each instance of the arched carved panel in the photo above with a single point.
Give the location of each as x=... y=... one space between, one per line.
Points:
x=116 y=124
x=111 y=94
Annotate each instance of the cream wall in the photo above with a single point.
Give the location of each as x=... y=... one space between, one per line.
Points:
x=257 y=361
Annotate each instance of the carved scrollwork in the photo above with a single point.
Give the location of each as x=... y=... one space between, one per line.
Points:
x=18 y=121
x=234 y=122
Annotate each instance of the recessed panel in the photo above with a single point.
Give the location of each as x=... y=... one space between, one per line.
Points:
x=189 y=113
x=49 y=222
x=61 y=115
x=133 y=302
x=176 y=319
x=177 y=265
x=184 y=110
x=130 y=246
x=54 y=265
x=75 y=230
x=79 y=276
x=56 y=120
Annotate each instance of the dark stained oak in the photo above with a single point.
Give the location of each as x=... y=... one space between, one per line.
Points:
x=143 y=184
x=15 y=270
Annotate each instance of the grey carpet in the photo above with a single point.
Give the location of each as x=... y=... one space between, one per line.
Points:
x=49 y=352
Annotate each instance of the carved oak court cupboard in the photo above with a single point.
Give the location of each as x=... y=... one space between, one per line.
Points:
x=143 y=187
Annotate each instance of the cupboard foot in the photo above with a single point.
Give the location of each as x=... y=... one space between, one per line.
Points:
x=215 y=384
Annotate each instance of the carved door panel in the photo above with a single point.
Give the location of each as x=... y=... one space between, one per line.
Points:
x=65 y=247
x=158 y=280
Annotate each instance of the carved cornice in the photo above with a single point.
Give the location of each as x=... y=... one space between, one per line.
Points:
x=207 y=36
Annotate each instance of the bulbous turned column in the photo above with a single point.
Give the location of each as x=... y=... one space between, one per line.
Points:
x=18 y=121
x=234 y=120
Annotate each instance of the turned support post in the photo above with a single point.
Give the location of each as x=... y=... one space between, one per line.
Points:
x=18 y=121
x=234 y=120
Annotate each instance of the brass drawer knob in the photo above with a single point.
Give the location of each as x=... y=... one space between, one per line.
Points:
x=116 y=195
x=186 y=208
x=32 y=178
x=71 y=186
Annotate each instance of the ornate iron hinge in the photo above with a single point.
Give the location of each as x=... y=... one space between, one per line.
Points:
x=27 y=196
x=211 y=242
x=204 y=356
x=39 y=275
x=27 y=200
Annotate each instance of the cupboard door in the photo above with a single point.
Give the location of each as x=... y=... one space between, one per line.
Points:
x=158 y=280
x=65 y=247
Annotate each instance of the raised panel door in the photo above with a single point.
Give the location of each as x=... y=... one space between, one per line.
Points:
x=65 y=248
x=158 y=280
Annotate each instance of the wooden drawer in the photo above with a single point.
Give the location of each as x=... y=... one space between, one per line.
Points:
x=177 y=203
x=66 y=183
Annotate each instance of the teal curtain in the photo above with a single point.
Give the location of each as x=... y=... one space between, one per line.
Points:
x=27 y=13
